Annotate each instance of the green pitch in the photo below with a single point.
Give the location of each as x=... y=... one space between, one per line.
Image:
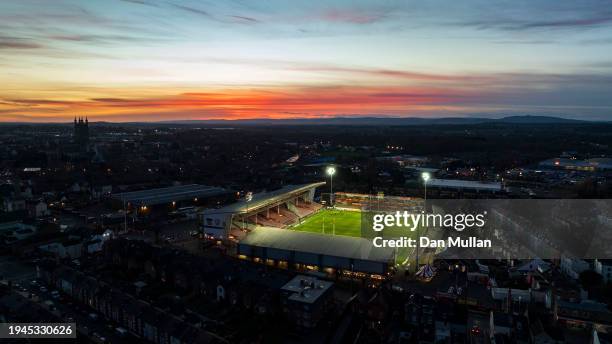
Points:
x=344 y=222
x=348 y=223
x=332 y=222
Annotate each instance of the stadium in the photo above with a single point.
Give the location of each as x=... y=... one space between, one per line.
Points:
x=286 y=228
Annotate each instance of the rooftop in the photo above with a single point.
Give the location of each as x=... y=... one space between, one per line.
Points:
x=464 y=184
x=306 y=289
x=330 y=245
x=265 y=199
x=169 y=194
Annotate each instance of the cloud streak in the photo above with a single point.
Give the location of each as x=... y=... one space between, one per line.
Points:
x=351 y=16
x=506 y=24
x=391 y=73
x=244 y=19
x=193 y=10
x=579 y=22
x=18 y=43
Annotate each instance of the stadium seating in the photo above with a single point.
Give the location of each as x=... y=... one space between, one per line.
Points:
x=305 y=209
x=280 y=217
x=263 y=221
x=373 y=202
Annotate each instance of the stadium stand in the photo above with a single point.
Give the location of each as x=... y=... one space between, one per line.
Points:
x=279 y=208
x=316 y=250
x=378 y=203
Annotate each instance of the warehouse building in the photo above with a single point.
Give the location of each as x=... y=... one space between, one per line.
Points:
x=169 y=199
x=458 y=188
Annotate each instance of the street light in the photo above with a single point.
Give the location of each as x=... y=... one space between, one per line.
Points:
x=331 y=170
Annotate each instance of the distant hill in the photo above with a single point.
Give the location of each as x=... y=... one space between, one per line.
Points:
x=340 y=121
x=388 y=121
x=538 y=120
x=345 y=120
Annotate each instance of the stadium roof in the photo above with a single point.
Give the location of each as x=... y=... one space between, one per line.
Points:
x=265 y=199
x=330 y=245
x=169 y=194
x=464 y=184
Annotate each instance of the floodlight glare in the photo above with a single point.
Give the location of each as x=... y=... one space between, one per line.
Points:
x=425 y=176
x=331 y=170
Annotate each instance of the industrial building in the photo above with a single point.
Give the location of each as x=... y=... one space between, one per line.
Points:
x=170 y=198
x=591 y=165
x=463 y=188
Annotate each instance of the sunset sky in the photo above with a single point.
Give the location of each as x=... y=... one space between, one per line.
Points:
x=149 y=60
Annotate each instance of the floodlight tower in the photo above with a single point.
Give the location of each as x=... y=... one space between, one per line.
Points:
x=425 y=176
x=247 y=198
x=331 y=170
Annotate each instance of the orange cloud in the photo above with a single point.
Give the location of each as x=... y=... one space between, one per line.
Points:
x=238 y=104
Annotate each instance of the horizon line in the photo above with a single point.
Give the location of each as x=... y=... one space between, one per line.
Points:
x=341 y=117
